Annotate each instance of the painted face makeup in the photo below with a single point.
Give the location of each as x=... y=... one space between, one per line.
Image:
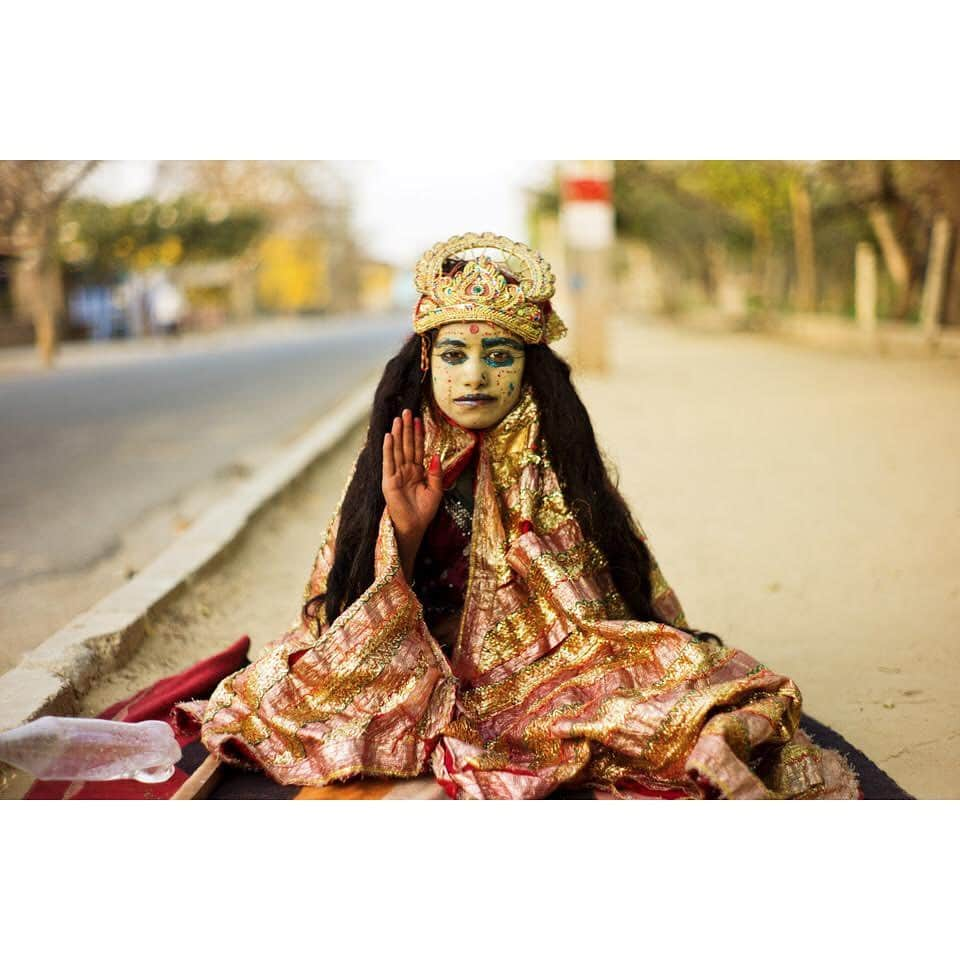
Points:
x=476 y=370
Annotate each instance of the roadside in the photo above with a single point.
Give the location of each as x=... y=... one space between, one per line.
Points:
x=803 y=504
x=254 y=588
x=107 y=465
x=34 y=609
x=54 y=677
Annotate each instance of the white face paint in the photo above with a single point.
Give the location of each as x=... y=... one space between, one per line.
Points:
x=476 y=370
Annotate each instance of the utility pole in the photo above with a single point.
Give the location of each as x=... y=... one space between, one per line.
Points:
x=866 y=290
x=803 y=249
x=587 y=225
x=934 y=283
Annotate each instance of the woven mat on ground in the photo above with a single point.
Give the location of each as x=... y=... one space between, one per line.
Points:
x=199 y=681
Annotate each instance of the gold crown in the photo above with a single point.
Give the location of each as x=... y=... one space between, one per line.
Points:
x=480 y=292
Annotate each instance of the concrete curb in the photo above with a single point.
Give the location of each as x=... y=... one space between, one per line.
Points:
x=52 y=678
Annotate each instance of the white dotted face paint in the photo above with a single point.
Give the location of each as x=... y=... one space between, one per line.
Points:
x=476 y=370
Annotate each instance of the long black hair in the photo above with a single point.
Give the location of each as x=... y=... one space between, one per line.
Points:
x=601 y=511
x=401 y=387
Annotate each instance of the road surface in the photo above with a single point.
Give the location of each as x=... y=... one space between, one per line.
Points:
x=103 y=463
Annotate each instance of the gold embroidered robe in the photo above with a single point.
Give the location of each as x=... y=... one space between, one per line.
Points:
x=548 y=683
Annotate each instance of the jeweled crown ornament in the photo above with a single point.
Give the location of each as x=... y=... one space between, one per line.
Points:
x=480 y=292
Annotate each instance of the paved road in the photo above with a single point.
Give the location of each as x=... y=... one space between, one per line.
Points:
x=88 y=451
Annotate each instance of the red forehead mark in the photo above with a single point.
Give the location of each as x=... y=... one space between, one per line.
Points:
x=474 y=328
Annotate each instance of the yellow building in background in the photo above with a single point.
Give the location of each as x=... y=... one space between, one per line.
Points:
x=293 y=274
x=376 y=285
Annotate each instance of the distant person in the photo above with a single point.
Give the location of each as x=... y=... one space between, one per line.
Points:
x=166 y=307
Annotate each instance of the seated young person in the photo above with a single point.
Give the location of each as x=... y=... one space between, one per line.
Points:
x=485 y=606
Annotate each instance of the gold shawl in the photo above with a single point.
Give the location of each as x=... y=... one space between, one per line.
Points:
x=548 y=683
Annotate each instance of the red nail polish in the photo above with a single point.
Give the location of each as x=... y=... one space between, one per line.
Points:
x=435 y=463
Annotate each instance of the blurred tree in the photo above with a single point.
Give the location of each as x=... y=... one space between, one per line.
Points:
x=839 y=225
x=873 y=186
x=305 y=201
x=797 y=223
x=31 y=194
x=902 y=198
x=684 y=227
x=804 y=250
x=934 y=187
x=797 y=226
x=101 y=241
x=758 y=193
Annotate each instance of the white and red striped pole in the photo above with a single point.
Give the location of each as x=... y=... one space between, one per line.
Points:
x=587 y=224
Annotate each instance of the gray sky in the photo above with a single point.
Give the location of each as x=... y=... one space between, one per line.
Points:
x=401 y=206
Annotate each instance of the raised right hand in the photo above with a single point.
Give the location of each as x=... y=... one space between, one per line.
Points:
x=413 y=496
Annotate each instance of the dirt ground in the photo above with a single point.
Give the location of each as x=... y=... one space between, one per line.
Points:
x=804 y=504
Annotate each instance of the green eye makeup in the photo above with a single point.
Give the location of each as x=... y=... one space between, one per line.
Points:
x=496 y=358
